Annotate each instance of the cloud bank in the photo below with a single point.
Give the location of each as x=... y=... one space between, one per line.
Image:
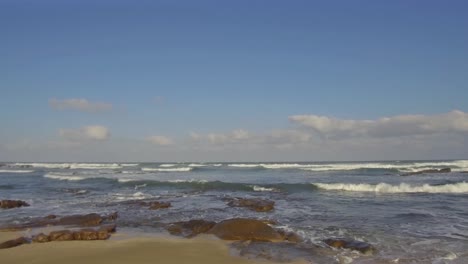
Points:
x=79 y=104
x=160 y=140
x=99 y=133
x=396 y=126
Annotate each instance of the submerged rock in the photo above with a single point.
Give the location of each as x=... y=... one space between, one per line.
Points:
x=72 y=220
x=444 y=170
x=14 y=243
x=363 y=247
x=159 y=205
x=254 y=204
x=8 y=204
x=190 y=228
x=245 y=229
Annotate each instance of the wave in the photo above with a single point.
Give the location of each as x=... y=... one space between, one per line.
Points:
x=167 y=169
x=167 y=165
x=197 y=165
x=74 y=165
x=264 y=189
x=461 y=187
x=16 y=171
x=64 y=177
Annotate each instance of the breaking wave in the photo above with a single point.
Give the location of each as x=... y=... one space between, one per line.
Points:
x=75 y=165
x=167 y=169
x=461 y=187
x=64 y=177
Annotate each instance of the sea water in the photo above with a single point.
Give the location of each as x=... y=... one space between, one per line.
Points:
x=420 y=218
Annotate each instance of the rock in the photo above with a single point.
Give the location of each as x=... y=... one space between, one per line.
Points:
x=14 y=243
x=61 y=235
x=111 y=217
x=190 y=228
x=8 y=204
x=444 y=170
x=159 y=205
x=360 y=246
x=81 y=220
x=245 y=229
x=254 y=204
x=290 y=236
x=108 y=228
x=40 y=238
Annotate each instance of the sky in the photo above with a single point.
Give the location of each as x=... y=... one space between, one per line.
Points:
x=245 y=80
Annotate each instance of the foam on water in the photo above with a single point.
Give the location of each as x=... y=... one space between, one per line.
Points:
x=16 y=171
x=461 y=187
x=63 y=177
x=74 y=165
x=167 y=165
x=167 y=169
x=197 y=165
x=263 y=189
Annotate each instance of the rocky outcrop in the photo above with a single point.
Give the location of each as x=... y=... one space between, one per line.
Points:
x=360 y=246
x=8 y=204
x=245 y=229
x=254 y=204
x=14 y=243
x=72 y=220
x=190 y=228
x=159 y=205
x=444 y=170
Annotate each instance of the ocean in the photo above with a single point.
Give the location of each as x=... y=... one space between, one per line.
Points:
x=420 y=218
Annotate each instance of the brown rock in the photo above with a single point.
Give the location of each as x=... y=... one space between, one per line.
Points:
x=190 y=228
x=360 y=246
x=159 y=205
x=40 y=238
x=61 y=235
x=444 y=170
x=81 y=220
x=8 y=204
x=112 y=228
x=14 y=243
x=254 y=204
x=245 y=229
x=85 y=234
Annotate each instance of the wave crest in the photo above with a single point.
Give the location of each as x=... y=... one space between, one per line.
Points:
x=461 y=187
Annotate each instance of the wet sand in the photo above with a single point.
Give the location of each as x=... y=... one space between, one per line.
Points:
x=124 y=250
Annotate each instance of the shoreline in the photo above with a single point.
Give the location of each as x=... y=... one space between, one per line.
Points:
x=126 y=247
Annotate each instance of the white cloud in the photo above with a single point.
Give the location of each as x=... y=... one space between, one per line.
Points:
x=160 y=140
x=96 y=132
x=79 y=105
x=396 y=126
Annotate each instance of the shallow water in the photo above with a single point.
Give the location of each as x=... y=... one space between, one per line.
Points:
x=409 y=219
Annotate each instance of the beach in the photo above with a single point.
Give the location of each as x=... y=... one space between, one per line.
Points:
x=138 y=250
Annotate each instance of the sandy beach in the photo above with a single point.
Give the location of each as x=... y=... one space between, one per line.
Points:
x=137 y=250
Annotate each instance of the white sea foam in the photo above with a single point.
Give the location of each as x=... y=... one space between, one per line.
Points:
x=73 y=165
x=16 y=171
x=167 y=169
x=167 y=165
x=63 y=177
x=461 y=187
x=126 y=180
x=263 y=189
x=244 y=165
x=189 y=180
x=197 y=165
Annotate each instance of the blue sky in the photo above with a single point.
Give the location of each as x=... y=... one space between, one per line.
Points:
x=223 y=80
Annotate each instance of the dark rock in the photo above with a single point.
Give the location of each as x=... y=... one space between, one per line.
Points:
x=159 y=205
x=112 y=228
x=81 y=220
x=254 y=204
x=40 y=238
x=245 y=229
x=14 y=243
x=8 y=204
x=86 y=234
x=444 y=170
x=360 y=246
x=61 y=235
x=190 y=228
